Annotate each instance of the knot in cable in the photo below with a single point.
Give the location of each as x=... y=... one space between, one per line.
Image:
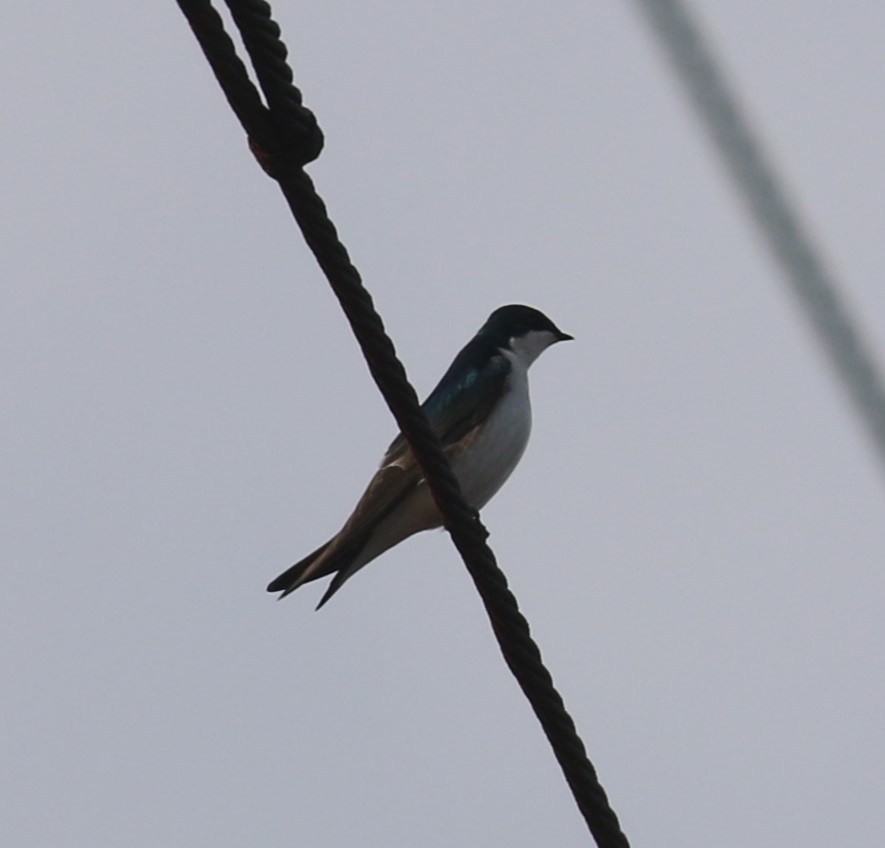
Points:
x=288 y=142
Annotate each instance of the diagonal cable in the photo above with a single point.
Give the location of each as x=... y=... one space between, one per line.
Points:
x=284 y=136
x=810 y=280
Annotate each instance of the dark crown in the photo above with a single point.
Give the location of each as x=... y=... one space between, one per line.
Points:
x=516 y=320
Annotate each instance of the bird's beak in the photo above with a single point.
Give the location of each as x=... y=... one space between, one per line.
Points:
x=564 y=337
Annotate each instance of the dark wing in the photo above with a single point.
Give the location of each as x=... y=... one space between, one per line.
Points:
x=461 y=400
x=454 y=409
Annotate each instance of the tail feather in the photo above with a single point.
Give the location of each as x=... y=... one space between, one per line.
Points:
x=319 y=564
x=337 y=582
x=294 y=576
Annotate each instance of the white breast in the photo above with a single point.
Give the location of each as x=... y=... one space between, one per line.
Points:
x=490 y=460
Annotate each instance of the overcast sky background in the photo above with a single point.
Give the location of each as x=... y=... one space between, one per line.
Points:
x=697 y=530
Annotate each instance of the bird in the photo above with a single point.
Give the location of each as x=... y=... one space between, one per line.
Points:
x=481 y=412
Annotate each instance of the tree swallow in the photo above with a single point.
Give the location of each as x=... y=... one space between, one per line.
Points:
x=481 y=412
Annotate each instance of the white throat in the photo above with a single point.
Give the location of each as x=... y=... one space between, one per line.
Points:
x=526 y=349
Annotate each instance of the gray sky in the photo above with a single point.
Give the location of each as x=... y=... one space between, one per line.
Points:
x=697 y=531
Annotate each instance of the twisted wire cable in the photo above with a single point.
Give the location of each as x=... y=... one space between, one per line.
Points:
x=284 y=136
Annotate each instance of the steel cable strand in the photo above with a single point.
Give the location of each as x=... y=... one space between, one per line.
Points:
x=229 y=70
x=520 y=651
x=815 y=286
x=511 y=629
x=282 y=159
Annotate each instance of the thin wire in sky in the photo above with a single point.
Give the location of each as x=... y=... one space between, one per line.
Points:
x=810 y=280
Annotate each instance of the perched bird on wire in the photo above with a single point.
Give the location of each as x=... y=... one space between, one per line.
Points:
x=481 y=412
